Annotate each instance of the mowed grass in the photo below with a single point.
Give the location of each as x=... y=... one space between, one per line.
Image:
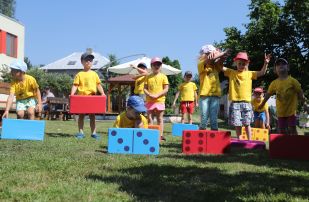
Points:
x=62 y=168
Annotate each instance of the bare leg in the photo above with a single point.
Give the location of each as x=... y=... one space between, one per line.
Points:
x=159 y=115
x=292 y=130
x=20 y=114
x=31 y=113
x=150 y=117
x=238 y=131
x=92 y=123
x=190 y=118
x=81 y=123
x=248 y=131
x=183 y=117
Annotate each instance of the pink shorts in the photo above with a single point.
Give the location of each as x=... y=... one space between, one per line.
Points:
x=284 y=122
x=155 y=106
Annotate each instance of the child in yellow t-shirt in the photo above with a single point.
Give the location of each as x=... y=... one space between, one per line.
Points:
x=288 y=91
x=132 y=117
x=187 y=90
x=140 y=79
x=156 y=87
x=209 y=65
x=26 y=90
x=87 y=82
x=240 y=88
x=261 y=116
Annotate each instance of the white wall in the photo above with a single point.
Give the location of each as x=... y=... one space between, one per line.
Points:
x=14 y=27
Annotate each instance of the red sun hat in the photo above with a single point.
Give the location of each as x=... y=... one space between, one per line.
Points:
x=258 y=90
x=241 y=56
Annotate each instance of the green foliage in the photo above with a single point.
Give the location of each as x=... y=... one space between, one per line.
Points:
x=174 y=80
x=7 y=7
x=60 y=84
x=282 y=30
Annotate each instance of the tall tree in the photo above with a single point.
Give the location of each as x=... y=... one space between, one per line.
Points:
x=174 y=80
x=282 y=30
x=7 y=7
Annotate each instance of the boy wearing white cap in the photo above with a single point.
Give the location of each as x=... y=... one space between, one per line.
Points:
x=210 y=90
x=26 y=90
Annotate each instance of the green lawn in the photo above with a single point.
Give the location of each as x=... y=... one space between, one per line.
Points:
x=62 y=168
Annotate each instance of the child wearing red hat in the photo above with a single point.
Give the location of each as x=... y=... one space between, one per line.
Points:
x=261 y=116
x=240 y=88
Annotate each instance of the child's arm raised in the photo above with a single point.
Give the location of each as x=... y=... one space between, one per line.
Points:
x=176 y=97
x=8 y=105
x=142 y=72
x=264 y=68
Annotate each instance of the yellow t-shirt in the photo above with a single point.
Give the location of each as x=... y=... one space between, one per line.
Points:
x=286 y=95
x=209 y=79
x=187 y=90
x=255 y=105
x=155 y=84
x=87 y=82
x=24 y=89
x=240 y=84
x=122 y=121
x=139 y=85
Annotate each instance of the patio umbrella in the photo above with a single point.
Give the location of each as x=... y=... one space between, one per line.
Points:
x=126 y=68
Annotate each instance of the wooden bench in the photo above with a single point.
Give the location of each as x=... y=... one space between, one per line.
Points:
x=58 y=107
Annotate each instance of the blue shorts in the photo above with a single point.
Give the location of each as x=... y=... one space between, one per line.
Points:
x=260 y=116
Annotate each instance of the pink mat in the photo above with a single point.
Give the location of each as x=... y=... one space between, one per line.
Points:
x=247 y=144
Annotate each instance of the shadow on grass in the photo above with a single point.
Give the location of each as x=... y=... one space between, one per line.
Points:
x=253 y=157
x=59 y=135
x=170 y=183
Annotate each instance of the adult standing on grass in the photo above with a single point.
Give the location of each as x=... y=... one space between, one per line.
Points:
x=87 y=83
x=156 y=87
x=26 y=90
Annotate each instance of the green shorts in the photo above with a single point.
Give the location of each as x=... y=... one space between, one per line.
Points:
x=24 y=104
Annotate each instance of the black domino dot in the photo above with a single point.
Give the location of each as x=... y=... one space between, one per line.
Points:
x=188 y=135
x=139 y=134
x=188 y=142
x=200 y=135
x=120 y=140
x=145 y=141
x=114 y=133
x=126 y=148
x=152 y=149
x=200 y=142
x=187 y=148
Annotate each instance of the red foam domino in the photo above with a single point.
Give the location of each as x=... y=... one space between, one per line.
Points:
x=87 y=104
x=218 y=142
x=194 y=141
x=289 y=146
x=248 y=144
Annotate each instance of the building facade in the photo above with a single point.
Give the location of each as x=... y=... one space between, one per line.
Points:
x=12 y=40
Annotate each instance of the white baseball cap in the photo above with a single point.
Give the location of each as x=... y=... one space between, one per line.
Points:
x=208 y=48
